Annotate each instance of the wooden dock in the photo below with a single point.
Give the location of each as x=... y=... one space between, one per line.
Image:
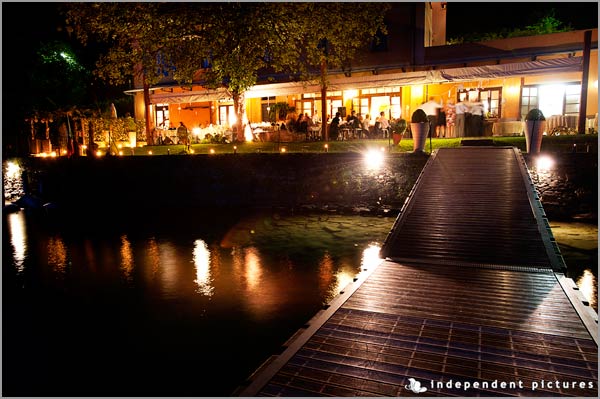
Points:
x=469 y=301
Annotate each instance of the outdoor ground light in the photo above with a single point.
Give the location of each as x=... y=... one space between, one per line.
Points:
x=212 y=150
x=373 y=159
x=283 y=150
x=235 y=149
x=13 y=170
x=544 y=163
x=326 y=146
x=150 y=152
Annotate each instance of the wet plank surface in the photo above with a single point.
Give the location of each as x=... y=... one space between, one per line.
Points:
x=467 y=304
x=470 y=205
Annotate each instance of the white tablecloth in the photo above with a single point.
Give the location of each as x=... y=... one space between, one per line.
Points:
x=508 y=128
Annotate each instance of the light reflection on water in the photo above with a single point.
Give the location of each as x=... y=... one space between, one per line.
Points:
x=16 y=226
x=588 y=286
x=176 y=313
x=143 y=303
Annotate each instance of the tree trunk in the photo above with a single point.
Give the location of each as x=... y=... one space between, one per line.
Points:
x=90 y=150
x=324 y=128
x=239 y=108
x=149 y=130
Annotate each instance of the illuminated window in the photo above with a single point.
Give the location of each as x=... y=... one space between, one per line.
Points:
x=572 y=98
x=529 y=99
x=395 y=107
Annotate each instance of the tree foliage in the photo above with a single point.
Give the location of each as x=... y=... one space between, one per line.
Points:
x=545 y=25
x=238 y=41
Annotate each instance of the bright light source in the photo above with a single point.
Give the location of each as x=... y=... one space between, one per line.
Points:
x=149 y=152
x=98 y=153
x=12 y=170
x=53 y=154
x=283 y=150
x=196 y=131
x=544 y=163
x=212 y=151
x=374 y=159
x=120 y=152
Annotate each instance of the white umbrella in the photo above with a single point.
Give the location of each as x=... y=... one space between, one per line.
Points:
x=113 y=111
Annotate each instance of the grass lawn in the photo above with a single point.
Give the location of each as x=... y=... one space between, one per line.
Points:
x=579 y=143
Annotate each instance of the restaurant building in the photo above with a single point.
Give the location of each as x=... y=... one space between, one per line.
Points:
x=557 y=73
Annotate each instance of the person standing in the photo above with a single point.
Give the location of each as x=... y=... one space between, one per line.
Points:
x=460 y=110
x=431 y=109
x=477 y=118
x=182 y=134
x=450 y=119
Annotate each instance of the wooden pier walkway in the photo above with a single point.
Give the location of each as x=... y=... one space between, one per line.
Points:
x=471 y=300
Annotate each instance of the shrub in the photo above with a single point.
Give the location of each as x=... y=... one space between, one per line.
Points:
x=535 y=114
x=398 y=126
x=419 y=116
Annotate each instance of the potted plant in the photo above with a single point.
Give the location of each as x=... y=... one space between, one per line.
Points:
x=419 y=127
x=535 y=124
x=398 y=127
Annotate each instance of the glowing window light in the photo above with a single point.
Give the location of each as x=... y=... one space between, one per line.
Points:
x=373 y=159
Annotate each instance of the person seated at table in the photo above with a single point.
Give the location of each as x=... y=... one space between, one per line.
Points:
x=334 y=127
x=309 y=121
x=382 y=125
x=352 y=120
x=366 y=125
x=302 y=124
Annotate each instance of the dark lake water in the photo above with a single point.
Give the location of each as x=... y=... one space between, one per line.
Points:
x=176 y=305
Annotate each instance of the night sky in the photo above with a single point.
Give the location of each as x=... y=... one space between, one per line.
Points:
x=481 y=17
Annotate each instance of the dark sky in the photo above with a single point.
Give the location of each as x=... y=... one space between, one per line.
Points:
x=480 y=16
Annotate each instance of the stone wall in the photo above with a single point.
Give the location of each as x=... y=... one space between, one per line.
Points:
x=292 y=181
x=317 y=182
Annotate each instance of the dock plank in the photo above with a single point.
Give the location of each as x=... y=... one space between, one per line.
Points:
x=465 y=296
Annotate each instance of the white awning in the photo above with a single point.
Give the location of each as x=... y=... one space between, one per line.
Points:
x=559 y=65
x=196 y=96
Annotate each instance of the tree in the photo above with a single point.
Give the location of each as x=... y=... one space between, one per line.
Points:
x=238 y=40
x=134 y=34
x=333 y=36
x=153 y=41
